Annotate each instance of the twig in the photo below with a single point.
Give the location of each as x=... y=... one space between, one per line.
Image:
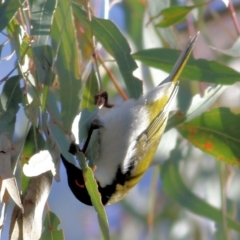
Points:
x=114 y=80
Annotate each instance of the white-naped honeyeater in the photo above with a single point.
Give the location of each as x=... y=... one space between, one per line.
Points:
x=129 y=135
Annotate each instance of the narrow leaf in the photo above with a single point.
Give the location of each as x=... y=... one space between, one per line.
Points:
x=89 y=90
x=174 y=14
x=41 y=20
x=198 y=70
x=95 y=196
x=66 y=53
x=134 y=15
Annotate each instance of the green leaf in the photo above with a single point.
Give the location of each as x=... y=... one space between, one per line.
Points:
x=67 y=63
x=115 y=43
x=197 y=70
x=8 y=9
x=10 y=99
x=41 y=20
x=134 y=14
x=92 y=189
x=175 y=14
x=90 y=89
x=12 y=94
x=51 y=224
x=200 y=103
x=215 y=132
x=176 y=190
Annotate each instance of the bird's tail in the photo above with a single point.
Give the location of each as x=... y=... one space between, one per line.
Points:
x=181 y=62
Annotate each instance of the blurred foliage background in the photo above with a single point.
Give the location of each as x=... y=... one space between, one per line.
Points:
x=55 y=55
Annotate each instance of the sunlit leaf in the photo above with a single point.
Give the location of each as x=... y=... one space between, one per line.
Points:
x=215 y=132
x=197 y=70
x=39 y=163
x=34 y=142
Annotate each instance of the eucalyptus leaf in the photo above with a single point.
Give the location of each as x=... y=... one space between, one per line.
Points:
x=51 y=227
x=216 y=133
x=174 y=14
x=115 y=43
x=197 y=70
x=66 y=55
x=8 y=9
x=41 y=20
x=90 y=89
x=199 y=104
x=134 y=14
x=95 y=196
x=10 y=99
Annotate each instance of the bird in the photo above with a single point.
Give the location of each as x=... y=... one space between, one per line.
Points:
x=129 y=135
